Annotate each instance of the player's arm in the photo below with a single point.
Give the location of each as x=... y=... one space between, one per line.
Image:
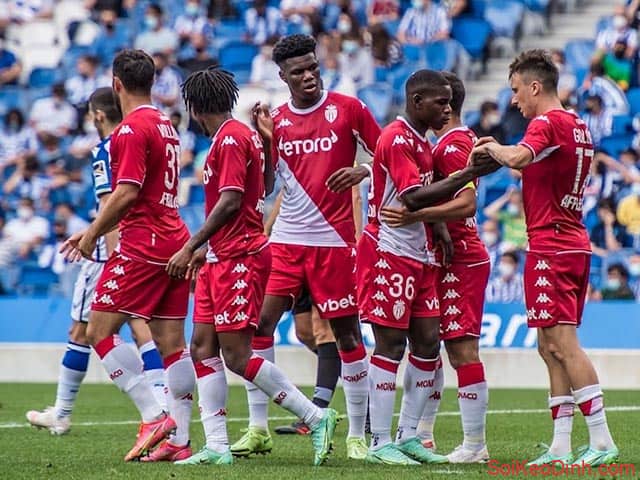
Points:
x=111 y=237
x=273 y=214
x=264 y=123
x=114 y=209
x=512 y=156
x=462 y=206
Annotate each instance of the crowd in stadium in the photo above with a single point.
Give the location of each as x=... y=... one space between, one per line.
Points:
x=54 y=54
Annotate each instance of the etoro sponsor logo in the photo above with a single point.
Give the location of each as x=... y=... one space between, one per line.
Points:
x=307 y=145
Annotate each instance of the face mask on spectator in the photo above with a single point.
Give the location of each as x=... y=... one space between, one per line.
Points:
x=613 y=283
x=513 y=209
x=306 y=29
x=88 y=126
x=490 y=238
x=24 y=213
x=192 y=9
x=619 y=22
x=419 y=4
x=634 y=269
x=13 y=126
x=506 y=269
x=151 y=22
x=110 y=27
x=344 y=26
x=350 y=46
x=635 y=188
x=493 y=119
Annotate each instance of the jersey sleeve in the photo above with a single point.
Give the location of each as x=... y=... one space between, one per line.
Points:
x=452 y=158
x=365 y=127
x=101 y=176
x=233 y=154
x=132 y=149
x=397 y=157
x=539 y=136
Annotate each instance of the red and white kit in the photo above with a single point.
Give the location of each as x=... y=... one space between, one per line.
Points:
x=313 y=238
x=556 y=273
x=395 y=271
x=145 y=151
x=461 y=285
x=230 y=287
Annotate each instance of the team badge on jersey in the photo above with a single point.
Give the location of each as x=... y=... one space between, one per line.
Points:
x=331 y=113
x=398 y=309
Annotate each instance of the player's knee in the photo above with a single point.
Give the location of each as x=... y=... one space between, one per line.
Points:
x=391 y=350
x=555 y=352
x=235 y=360
x=267 y=325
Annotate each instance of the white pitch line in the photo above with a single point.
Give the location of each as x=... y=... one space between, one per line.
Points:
x=621 y=408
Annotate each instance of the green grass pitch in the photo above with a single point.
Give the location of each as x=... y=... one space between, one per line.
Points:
x=104 y=429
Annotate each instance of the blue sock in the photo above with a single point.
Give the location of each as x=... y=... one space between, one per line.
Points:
x=72 y=371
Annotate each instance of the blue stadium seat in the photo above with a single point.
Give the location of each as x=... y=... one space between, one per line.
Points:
x=442 y=55
x=603 y=23
x=633 y=96
x=578 y=53
x=196 y=194
x=13 y=97
x=392 y=26
x=473 y=34
x=230 y=29
x=615 y=144
x=478 y=6
x=504 y=99
x=538 y=6
x=471 y=118
x=44 y=77
x=622 y=124
x=379 y=98
x=504 y=16
x=35 y=280
x=202 y=143
x=70 y=57
x=398 y=77
x=413 y=53
x=236 y=57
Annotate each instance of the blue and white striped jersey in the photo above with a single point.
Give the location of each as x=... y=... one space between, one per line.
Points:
x=101 y=164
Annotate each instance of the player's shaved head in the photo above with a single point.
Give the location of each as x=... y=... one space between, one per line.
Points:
x=458 y=92
x=135 y=70
x=428 y=82
x=536 y=65
x=293 y=46
x=103 y=99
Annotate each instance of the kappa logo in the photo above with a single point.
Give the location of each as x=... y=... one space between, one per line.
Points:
x=452 y=310
x=451 y=294
x=450 y=278
x=221 y=413
x=240 y=268
x=111 y=285
x=229 y=140
x=381 y=280
x=436 y=395
x=542 y=282
x=399 y=140
x=379 y=312
x=106 y=299
x=543 y=298
x=241 y=317
x=331 y=113
x=240 y=284
x=285 y=122
x=117 y=270
x=543 y=118
x=125 y=130
x=382 y=263
x=380 y=296
x=399 y=309
x=453 y=327
x=542 y=265
x=240 y=300
x=420 y=149
x=450 y=149
x=544 y=315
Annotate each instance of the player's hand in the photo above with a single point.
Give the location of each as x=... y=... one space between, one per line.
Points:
x=484 y=140
x=179 y=263
x=87 y=245
x=484 y=168
x=262 y=120
x=398 y=217
x=345 y=178
x=197 y=261
x=442 y=240
x=70 y=248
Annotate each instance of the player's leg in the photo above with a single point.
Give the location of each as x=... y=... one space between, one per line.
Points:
x=329 y=363
x=302 y=321
x=151 y=359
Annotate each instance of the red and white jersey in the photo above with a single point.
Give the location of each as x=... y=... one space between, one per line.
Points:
x=553 y=184
x=402 y=162
x=236 y=162
x=145 y=151
x=309 y=145
x=450 y=155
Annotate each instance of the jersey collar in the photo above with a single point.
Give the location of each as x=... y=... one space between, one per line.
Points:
x=417 y=134
x=312 y=108
x=213 y=139
x=462 y=128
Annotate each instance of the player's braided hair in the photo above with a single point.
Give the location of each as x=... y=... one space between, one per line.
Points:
x=293 y=46
x=210 y=91
x=539 y=65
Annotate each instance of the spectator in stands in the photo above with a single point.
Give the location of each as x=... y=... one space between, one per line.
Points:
x=567 y=82
x=192 y=21
x=356 y=61
x=86 y=81
x=508 y=211
x=633 y=13
x=385 y=49
x=10 y=67
x=24 y=11
x=633 y=266
x=196 y=56
x=424 y=22
x=383 y=11
x=112 y=37
x=73 y=223
x=597 y=83
x=17 y=140
x=617 y=284
x=263 y=22
x=23 y=235
x=618 y=31
x=607 y=235
x=597 y=118
x=507 y=287
x=622 y=172
x=157 y=37
x=629 y=213
x=617 y=66
x=305 y=13
x=490 y=236
x=264 y=71
x=334 y=80
x=489 y=123
x=86 y=139
x=27 y=182
x=53 y=115
x=187 y=140
x=165 y=92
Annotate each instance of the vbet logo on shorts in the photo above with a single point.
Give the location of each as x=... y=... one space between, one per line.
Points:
x=331 y=305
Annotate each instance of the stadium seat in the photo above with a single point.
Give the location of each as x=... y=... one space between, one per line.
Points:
x=12 y=97
x=471 y=118
x=633 y=96
x=413 y=53
x=504 y=99
x=441 y=55
x=537 y=6
x=615 y=144
x=578 y=53
x=196 y=194
x=236 y=56
x=230 y=29
x=202 y=143
x=603 y=24
x=35 y=280
x=44 y=77
x=473 y=34
x=504 y=16
x=398 y=77
x=379 y=98
x=477 y=7
x=622 y=124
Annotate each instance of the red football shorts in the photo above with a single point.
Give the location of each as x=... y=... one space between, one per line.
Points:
x=393 y=289
x=327 y=272
x=140 y=289
x=461 y=289
x=229 y=293
x=555 y=288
